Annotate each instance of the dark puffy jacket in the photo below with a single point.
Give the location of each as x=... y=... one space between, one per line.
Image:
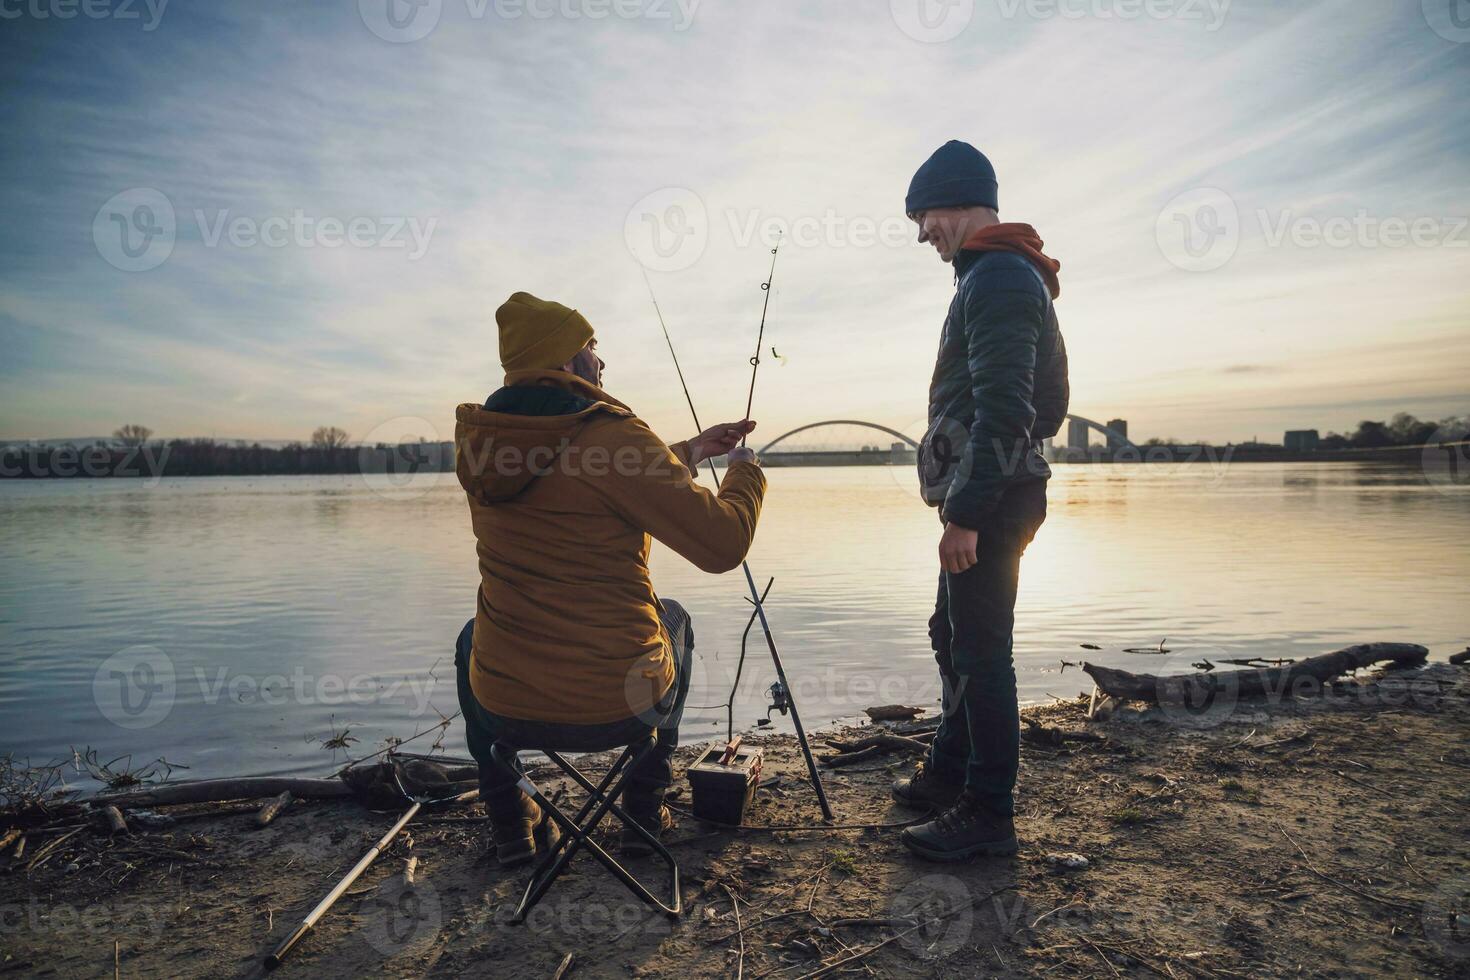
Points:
x=999 y=387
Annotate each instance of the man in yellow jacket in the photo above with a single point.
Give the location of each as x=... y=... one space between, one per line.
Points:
x=570 y=646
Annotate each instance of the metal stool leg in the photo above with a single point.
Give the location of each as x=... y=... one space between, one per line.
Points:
x=675 y=904
x=575 y=832
x=578 y=833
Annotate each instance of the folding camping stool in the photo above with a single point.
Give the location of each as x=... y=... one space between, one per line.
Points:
x=577 y=831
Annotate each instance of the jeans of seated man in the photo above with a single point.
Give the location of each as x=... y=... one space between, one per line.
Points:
x=493 y=739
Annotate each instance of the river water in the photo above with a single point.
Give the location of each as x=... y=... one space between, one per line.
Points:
x=234 y=625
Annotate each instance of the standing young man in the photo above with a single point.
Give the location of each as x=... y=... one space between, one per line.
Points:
x=999 y=389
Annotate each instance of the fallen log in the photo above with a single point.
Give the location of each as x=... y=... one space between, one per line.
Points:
x=849 y=758
x=217 y=790
x=893 y=712
x=883 y=741
x=1193 y=688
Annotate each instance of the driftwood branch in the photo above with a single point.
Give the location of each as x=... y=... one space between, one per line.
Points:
x=893 y=712
x=1040 y=734
x=273 y=809
x=850 y=758
x=1193 y=688
x=883 y=740
x=215 y=790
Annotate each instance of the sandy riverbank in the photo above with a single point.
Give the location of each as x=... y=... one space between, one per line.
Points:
x=1318 y=838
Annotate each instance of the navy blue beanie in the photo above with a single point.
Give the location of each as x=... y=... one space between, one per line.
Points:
x=956 y=176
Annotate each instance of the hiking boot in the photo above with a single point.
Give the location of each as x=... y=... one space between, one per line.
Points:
x=926 y=788
x=633 y=844
x=965 y=830
x=519 y=829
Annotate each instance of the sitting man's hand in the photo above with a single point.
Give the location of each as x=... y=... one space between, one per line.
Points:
x=742 y=455
x=718 y=441
x=957 y=548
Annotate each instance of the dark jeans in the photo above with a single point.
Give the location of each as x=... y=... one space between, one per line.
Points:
x=979 y=739
x=494 y=739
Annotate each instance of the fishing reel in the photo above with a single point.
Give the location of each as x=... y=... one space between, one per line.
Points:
x=780 y=701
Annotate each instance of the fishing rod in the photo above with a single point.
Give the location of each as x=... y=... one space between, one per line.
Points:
x=783 y=701
x=755 y=361
x=309 y=922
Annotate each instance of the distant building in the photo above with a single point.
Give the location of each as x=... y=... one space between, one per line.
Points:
x=1120 y=426
x=1302 y=441
x=1077 y=434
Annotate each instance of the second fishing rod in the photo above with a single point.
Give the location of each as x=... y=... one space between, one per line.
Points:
x=784 y=700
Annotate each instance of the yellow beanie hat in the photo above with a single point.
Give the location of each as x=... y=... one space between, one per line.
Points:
x=539 y=334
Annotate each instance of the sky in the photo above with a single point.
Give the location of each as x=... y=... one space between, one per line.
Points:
x=246 y=220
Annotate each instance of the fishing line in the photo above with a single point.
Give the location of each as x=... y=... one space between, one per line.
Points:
x=782 y=689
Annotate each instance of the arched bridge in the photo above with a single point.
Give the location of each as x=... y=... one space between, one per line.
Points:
x=1113 y=437
x=818 y=425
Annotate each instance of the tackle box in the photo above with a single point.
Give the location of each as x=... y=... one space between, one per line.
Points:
x=722 y=791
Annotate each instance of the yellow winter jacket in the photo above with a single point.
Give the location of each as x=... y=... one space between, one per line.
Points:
x=566 y=488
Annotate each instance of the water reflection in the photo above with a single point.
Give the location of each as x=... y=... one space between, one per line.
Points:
x=288 y=605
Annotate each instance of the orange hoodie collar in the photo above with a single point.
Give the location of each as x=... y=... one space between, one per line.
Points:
x=1023 y=240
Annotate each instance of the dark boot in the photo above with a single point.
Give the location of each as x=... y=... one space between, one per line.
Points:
x=518 y=828
x=645 y=805
x=926 y=788
x=965 y=830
